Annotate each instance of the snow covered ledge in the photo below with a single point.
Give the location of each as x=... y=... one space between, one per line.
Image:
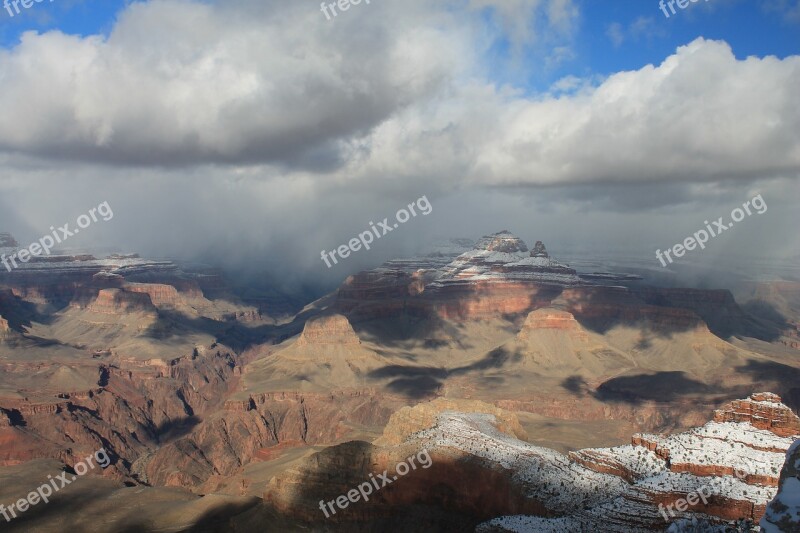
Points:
x=783 y=513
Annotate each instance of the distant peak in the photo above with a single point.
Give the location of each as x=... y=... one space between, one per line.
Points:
x=7 y=241
x=502 y=241
x=539 y=250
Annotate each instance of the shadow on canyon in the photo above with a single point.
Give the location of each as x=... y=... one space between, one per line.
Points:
x=665 y=387
x=424 y=382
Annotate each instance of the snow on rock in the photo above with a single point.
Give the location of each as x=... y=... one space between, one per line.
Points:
x=504 y=257
x=542 y=472
x=733 y=464
x=783 y=513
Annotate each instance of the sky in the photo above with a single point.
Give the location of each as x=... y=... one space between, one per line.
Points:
x=254 y=133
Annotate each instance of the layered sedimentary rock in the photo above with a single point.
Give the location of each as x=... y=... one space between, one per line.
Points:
x=622 y=489
x=603 y=307
x=501 y=277
x=505 y=257
x=764 y=411
x=498 y=276
x=160 y=294
x=333 y=329
x=118 y=302
x=247 y=430
x=551 y=319
x=127 y=410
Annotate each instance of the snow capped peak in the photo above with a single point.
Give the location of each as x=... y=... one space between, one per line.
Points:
x=505 y=257
x=503 y=241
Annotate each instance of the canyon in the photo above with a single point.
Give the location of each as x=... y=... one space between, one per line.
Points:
x=486 y=346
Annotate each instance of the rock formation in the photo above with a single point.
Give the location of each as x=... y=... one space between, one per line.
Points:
x=539 y=250
x=551 y=319
x=7 y=241
x=333 y=329
x=621 y=489
x=116 y=301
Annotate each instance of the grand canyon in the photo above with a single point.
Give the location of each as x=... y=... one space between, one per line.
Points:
x=404 y=266
x=549 y=399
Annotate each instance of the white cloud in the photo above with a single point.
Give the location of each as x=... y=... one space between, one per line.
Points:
x=387 y=94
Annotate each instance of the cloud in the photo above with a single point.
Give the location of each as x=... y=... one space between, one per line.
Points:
x=788 y=9
x=616 y=34
x=640 y=27
x=180 y=83
x=700 y=116
x=283 y=91
x=258 y=132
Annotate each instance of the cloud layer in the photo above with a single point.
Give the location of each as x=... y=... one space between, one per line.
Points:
x=238 y=129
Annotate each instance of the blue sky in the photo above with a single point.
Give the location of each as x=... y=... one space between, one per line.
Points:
x=610 y=35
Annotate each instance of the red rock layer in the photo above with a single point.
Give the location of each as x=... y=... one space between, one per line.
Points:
x=160 y=295
x=552 y=319
x=763 y=411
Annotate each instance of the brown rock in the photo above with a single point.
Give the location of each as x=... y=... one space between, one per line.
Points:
x=764 y=411
x=332 y=329
x=119 y=302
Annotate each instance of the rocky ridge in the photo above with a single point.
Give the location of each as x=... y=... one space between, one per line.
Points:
x=622 y=489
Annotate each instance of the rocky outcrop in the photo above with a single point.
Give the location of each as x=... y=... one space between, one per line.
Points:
x=129 y=411
x=248 y=430
x=539 y=250
x=7 y=241
x=499 y=276
x=764 y=411
x=622 y=489
x=120 y=302
x=331 y=329
x=502 y=241
x=160 y=294
x=783 y=513
x=551 y=319
x=410 y=420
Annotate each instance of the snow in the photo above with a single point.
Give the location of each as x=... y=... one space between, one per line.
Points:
x=726 y=444
x=744 y=433
x=543 y=472
x=727 y=486
x=593 y=501
x=786 y=505
x=636 y=459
